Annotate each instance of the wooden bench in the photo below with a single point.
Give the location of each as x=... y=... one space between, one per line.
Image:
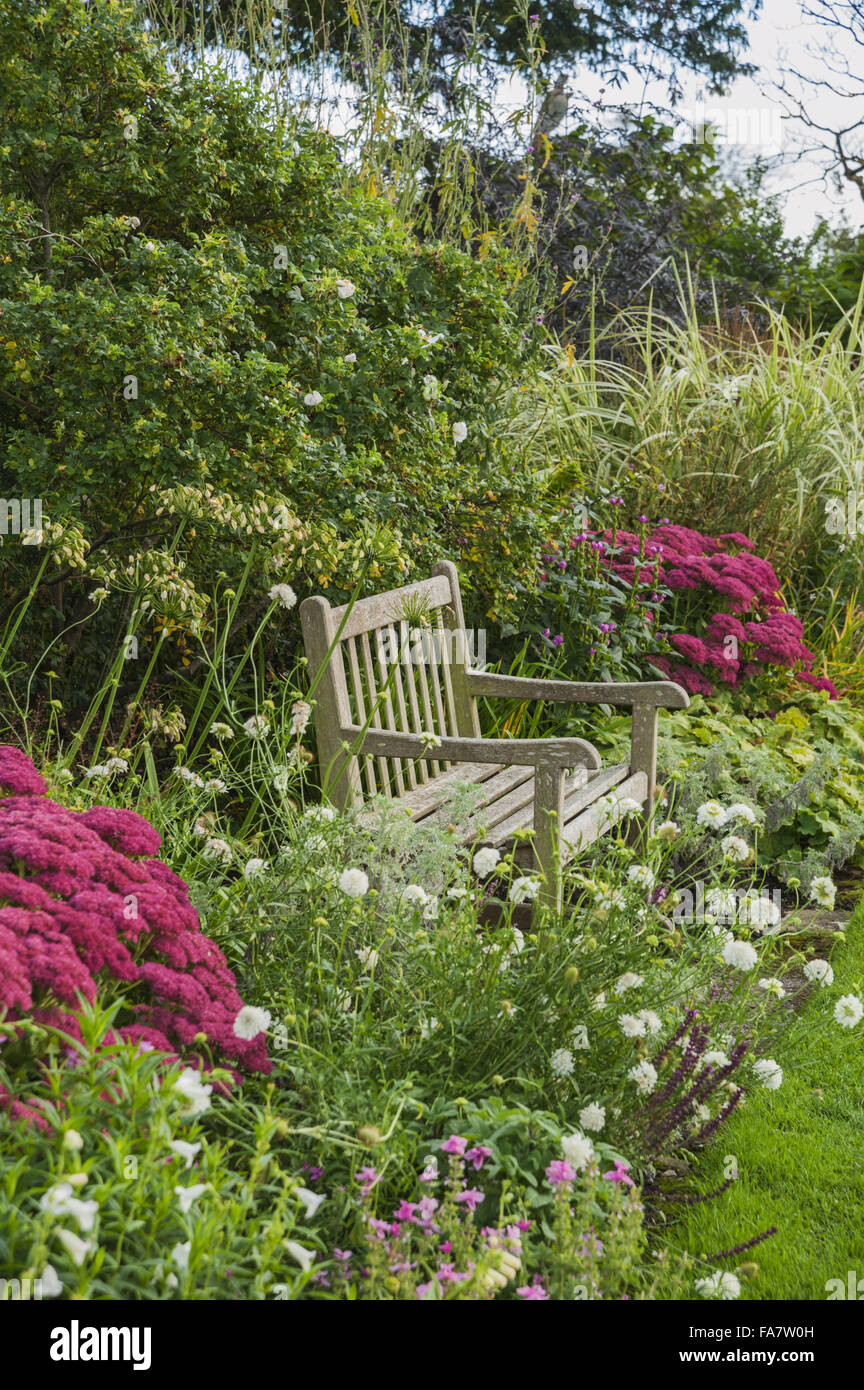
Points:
x=396 y=714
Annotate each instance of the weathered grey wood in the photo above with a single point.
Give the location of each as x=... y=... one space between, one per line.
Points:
x=553 y=787
x=387 y=680
x=505 y=795
x=453 y=617
x=360 y=710
x=374 y=708
x=548 y=816
x=597 y=819
x=340 y=773
x=665 y=694
x=381 y=609
x=643 y=758
x=530 y=752
x=401 y=708
x=577 y=793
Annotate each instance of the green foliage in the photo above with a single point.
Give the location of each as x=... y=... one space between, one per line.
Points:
x=270 y=354
x=801 y=766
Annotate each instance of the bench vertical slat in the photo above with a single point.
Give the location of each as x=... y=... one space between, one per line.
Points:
x=374 y=707
x=442 y=728
x=332 y=707
x=464 y=705
x=381 y=639
x=429 y=724
x=399 y=688
x=357 y=684
x=422 y=766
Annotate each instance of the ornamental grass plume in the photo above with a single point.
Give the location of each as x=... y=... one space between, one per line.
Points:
x=84 y=900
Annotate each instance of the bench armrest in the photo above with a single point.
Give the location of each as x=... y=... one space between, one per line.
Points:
x=523 y=752
x=662 y=694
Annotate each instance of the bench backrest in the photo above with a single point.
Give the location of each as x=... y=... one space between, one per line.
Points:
x=393 y=661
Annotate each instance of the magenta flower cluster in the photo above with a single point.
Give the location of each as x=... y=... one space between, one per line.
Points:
x=85 y=899
x=751 y=627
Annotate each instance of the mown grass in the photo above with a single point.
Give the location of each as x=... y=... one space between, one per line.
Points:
x=799 y=1152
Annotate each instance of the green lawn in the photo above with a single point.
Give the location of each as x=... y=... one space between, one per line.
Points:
x=799 y=1156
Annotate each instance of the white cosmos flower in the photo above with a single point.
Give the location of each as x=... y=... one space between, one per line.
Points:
x=299 y=1253
x=561 y=1062
x=185 y=1150
x=485 y=860
x=631 y=1026
x=592 y=1117
x=460 y=432
x=715 y=1059
x=651 y=1020
x=76 y=1248
x=820 y=972
x=251 y=1021
x=668 y=831
x=215 y=784
x=712 y=814
x=194 y=1091
x=722 y=903
x=769 y=1073
x=578 y=1150
x=641 y=875
x=629 y=980
x=848 y=1011
x=645 y=1077
x=187 y=1195
x=354 y=883
x=524 y=890
x=722 y=1285
x=313 y=398
x=759 y=910
x=218 y=850
x=414 y=896
x=311 y=1200
x=282 y=594
x=735 y=848
x=740 y=954
x=772 y=986
x=823 y=891
x=607 y=898
x=345 y=288
x=192 y=779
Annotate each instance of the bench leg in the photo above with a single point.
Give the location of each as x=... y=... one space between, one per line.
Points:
x=548 y=818
x=643 y=758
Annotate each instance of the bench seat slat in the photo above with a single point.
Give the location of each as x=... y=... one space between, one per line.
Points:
x=577 y=795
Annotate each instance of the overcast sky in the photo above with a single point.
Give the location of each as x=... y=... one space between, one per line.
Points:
x=753 y=115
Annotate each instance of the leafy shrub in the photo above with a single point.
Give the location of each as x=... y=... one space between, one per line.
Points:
x=275 y=365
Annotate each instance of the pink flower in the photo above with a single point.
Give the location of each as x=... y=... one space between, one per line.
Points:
x=560 y=1171
x=533 y=1293
x=471 y=1196
x=454 y=1145
x=619 y=1174
x=367 y=1177
x=478 y=1155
